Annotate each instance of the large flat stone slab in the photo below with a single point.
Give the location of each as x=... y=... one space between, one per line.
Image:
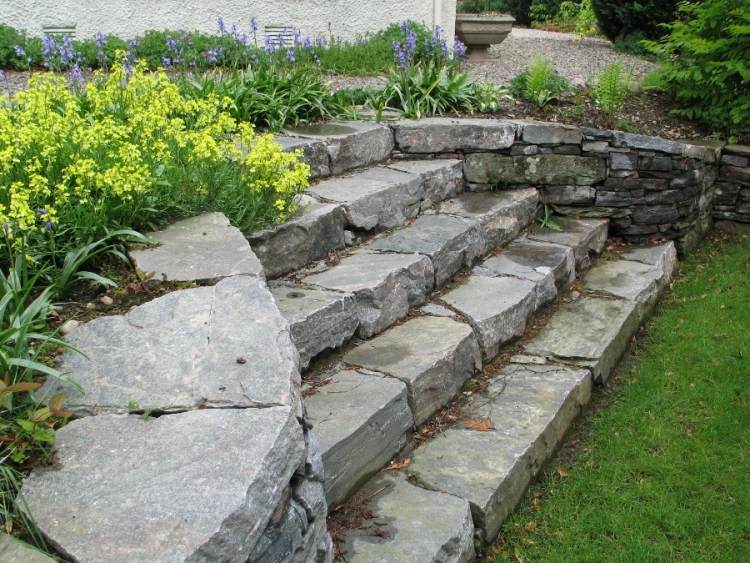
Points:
x=434 y=356
x=545 y=169
x=13 y=550
x=376 y=197
x=313 y=232
x=202 y=248
x=502 y=214
x=361 y=421
x=196 y=486
x=411 y=524
x=314 y=153
x=207 y=347
x=497 y=308
x=451 y=243
x=530 y=408
x=591 y=331
x=319 y=319
x=662 y=256
x=385 y=286
x=582 y=235
x=442 y=134
x=441 y=178
x=351 y=144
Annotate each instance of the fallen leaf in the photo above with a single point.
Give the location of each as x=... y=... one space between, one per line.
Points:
x=530 y=527
x=562 y=472
x=396 y=466
x=479 y=424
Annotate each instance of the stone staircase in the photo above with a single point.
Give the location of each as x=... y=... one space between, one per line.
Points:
x=397 y=288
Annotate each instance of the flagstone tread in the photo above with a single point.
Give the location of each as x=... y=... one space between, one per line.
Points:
x=361 y=421
x=13 y=550
x=584 y=236
x=441 y=178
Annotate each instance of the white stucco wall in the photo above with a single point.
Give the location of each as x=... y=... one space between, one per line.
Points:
x=343 y=18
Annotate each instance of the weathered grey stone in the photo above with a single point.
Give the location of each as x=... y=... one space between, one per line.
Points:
x=530 y=407
x=220 y=346
x=524 y=149
x=582 y=235
x=502 y=214
x=497 y=308
x=627 y=198
x=434 y=356
x=645 y=142
x=617 y=184
x=201 y=248
x=361 y=421
x=623 y=161
x=319 y=319
x=591 y=332
x=655 y=214
x=438 y=311
x=195 y=486
x=314 y=153
x=376 y=197
x=450 y=242
x=655 y=163
x=600 y=147
x=351 y=144
x=626 y=279
x=551 y=134
x=441 y=178
x=411 y=524
x=488 y=168
x=441 y=134
x=734 y=160
x=742 y=150
x=14 y=550
x=313 y=232
x=742 y=174
x=385 y=286
x=567 y=195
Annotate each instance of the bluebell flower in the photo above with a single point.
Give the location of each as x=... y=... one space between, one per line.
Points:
x=222 y=25
x=411 y=43
x=213 y=56
x=320 y=41
x=67 y=52
x=101 y=40
x=41 y=211
x=400 y=55
x=405 y=26
x=172 y=44
x=20 y=52
x=133 y=44
x=291 y=57
x=49 y=226
x=76 y=76
x=166 y=62
x=49 y=49
x=459 y=50
x=307 y=44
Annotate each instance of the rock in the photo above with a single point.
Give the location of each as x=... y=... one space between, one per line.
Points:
x=182 y=351
x=568 y=195
x=411 y=524
x=590 y=332
x=628 y=198
x=502 y=214
x=202 y=248
x=625 y=279
x=451 y=243
x=311 y=234
x=655 y=163
x=106 y=300
x=734 y=160
x=497 y=308
x=741 y=174
x=663 y=256
x=319 y=319
x=351 y=144
x=647 y=143
x=438 y=311
x=623 y=161
x=551 y=134
x=14 y=550
x=440 y=134
x=742 y=150
x=434 y=356
x=548 y=169
x=376 y=197
x=385 y=286
x=441 y=178
x=582 y=235
x=314 y=153
x=69 y=326
x=199 y=485
x=361 y=421
x=655 y=214
x=599 y=147
x=530 y=408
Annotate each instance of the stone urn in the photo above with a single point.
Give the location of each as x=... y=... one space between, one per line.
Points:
x=479 y=31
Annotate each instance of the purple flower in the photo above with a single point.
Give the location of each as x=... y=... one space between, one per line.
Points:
x=307 y=44
x=411 y=43
x=172 y=44
x=213 y=56
x=400 y=55
x=76 y=76
x=222 y=25
x=101 y=41
x=49 y=226
x=49 y=49
x=166 y=62
x=405 y=26
x=2 y=74
x=20 y=52
x=320 y=41
x=133 y=43
x=41 y=211
x=459 y=50
x=67 y=52
x=253 y=25
x=291 y=57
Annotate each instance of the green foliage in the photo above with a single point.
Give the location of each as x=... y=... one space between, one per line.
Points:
x=619 y=18
x=633 y=44
x=481 y=6
x=586 y=24
x=521 y=11
x=705 y=65
x=539 y=83
x=612 y=87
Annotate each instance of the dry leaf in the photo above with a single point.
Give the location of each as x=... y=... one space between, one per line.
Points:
x=396 y=466
x=530 y=527
x=479 y=424
x=562 y=472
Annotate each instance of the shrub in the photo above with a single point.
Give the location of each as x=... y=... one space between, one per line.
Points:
x=539 y=83
x=521 y=10
x=611 y=88
x=619 y=18
x=705 y=64
x=481 y=6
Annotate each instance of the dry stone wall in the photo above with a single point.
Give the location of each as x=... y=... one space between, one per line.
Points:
x=732 y=201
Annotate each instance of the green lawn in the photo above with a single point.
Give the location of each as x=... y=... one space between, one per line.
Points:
x=662 y=473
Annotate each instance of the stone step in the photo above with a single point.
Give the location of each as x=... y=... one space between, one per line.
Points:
x=406 y=523
x=584 y=236
x=442 y=178
x=361 y=420
x=529 y=408
x=434 y=356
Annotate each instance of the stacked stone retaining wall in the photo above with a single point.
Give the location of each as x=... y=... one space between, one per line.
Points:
x=732 y=201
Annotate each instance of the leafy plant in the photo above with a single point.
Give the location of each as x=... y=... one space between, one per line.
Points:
x=539 y=83
x=481 y=6
x=586 y=23
x=619 y=18
x=611 y=88
x=521 y=11
x=546 y=222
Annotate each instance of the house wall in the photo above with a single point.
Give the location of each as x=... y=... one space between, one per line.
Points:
x=346 y=19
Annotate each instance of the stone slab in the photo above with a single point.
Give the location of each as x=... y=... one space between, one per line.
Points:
x=530 y=408
x=311 y=234
x=375 y=197
x=434 y=356
x=361 y=421
x=411 y=524
x=441 y=178
x=314 y=153
x=497 y=308
x=582 y=235
x=440 y=134
x=319 y=319
x=351 y=144
x=591 y=331
x=551 y=134
x=202 y=248
x=663 y=256
x=14 y=550
x=195 y=486
x=208 y=347
x=385 y=286
x=452 y=243
x=547 y=169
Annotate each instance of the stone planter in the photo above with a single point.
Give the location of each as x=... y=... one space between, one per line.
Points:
x=479 y=31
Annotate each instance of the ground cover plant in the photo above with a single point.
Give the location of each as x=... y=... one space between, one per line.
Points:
x=659 y=471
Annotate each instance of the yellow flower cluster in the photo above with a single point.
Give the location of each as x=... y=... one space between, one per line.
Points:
x=127 y=146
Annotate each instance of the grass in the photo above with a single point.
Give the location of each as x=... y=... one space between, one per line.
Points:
x=662 y=472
